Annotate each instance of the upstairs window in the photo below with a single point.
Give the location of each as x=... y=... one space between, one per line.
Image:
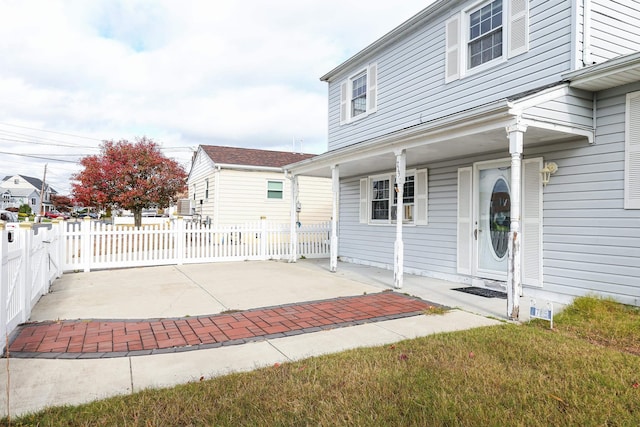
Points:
x=358 y=94
x=484 y=34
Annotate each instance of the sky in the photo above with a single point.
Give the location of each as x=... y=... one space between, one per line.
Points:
x=74 y=73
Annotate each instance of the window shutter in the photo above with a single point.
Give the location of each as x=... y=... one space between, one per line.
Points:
x=452 y=55
x=532 y=222
x=518 y=38
x=465 y=222
x=344 y=102
x=632 y=152
x=372 y=88
x=422 y=196
x=364 y=205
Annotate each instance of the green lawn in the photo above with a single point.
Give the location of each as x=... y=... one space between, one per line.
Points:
x=584 y=372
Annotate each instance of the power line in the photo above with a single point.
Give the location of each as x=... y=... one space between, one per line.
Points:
x=51 y=131
x=39 y=158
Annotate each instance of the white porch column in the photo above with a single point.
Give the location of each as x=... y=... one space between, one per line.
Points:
x=398 y=260
x=514 y=272
x=294 y=219
x=335 y=187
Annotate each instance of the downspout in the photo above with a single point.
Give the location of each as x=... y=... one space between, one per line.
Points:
x=293 y=222
x=216 y=196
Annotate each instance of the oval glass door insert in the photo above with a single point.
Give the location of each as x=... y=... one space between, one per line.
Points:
x=500 y=217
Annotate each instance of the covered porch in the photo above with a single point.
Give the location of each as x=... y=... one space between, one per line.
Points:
x=506 y=129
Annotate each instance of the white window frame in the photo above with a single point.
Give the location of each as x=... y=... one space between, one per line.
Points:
x=276 y=199
x=371 y=94
x=515 y=38
x=366 y=200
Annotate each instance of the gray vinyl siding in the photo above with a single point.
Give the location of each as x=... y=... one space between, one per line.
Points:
x=575 y=109
x=411 y=85
x=591 y=244
x=614 y=29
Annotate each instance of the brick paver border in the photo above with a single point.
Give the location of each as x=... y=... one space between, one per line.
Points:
x=90 y=339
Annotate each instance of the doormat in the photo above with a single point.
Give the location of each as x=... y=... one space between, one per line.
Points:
x=483 y=292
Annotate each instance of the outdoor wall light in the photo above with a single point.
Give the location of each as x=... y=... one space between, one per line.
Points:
x=548 y=170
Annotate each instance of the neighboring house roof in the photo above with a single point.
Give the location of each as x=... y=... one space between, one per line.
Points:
x=252 y=157
x=35 y=182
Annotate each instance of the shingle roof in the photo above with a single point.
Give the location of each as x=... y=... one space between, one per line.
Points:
x=252 y=157
x=35 y=182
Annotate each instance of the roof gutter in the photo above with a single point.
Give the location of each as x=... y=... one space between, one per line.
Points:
x=249 y=167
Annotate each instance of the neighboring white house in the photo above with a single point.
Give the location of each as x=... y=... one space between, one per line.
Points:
x=229 y=186
x=510 y=131
x=17 y=190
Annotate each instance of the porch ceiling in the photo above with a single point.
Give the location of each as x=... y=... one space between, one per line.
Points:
x=480 y=130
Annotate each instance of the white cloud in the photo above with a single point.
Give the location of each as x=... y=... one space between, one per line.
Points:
x=184 y=73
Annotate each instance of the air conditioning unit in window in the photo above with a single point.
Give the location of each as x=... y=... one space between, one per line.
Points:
x=186 y=207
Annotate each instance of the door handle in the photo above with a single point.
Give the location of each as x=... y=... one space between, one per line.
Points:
x=475 y=233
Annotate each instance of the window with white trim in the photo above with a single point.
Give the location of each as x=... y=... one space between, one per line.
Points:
x=484 y=34
x=206 y=188
x=275 y=189
x=632 y=152
x=358 y=94
x=379 y=199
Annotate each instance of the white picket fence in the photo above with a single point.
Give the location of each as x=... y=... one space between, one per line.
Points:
x=30 y=259
x=92 y=245
x=32 y=256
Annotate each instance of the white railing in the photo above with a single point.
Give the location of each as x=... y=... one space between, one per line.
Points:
x=30 y=258
x=93 y=245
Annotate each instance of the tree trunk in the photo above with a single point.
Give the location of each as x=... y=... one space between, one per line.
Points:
x=137 y=217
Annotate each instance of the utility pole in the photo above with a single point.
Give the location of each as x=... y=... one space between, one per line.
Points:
x=44 y=179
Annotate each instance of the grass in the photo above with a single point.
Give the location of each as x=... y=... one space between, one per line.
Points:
x=583 y=372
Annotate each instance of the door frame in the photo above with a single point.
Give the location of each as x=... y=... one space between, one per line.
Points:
x=475 y=184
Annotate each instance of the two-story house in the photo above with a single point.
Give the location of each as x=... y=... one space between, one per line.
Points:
x=231 y=186
x=18 y=190
x=493 y=143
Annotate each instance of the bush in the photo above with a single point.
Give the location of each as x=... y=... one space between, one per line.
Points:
x=25 y=208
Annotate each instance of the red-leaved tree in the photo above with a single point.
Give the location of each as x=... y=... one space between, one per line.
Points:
x=128 y=175
x=61 y=203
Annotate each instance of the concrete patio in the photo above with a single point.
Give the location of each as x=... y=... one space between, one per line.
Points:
x=207 y=289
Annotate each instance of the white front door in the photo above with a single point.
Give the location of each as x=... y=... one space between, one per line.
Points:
x=492 y=219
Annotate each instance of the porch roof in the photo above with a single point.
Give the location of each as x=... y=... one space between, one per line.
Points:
x=467 y=133
x=615 y=72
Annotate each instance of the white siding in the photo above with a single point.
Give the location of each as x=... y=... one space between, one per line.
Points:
x=315 y=196
x=243 y=198
x=202 y=169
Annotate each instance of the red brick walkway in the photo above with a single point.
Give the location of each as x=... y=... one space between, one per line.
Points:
x=71 y=339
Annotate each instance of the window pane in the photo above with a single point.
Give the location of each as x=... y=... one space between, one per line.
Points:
x=274 y=189
x=380 y=199
x=359 y=95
